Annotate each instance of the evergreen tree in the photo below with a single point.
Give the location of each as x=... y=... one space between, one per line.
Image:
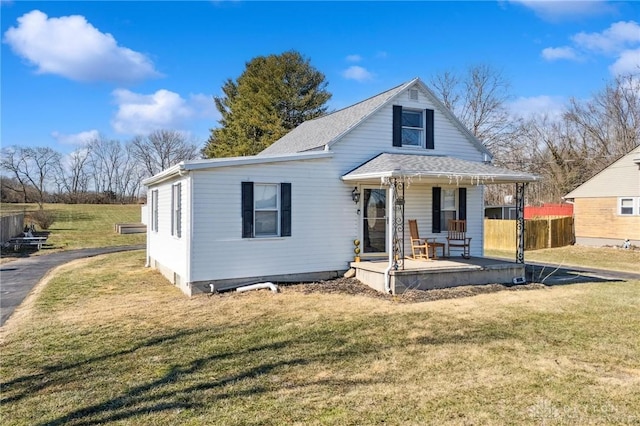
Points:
x=273 y=95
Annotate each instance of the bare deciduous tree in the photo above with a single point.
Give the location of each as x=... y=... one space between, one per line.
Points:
x=479 y=99
x=609 y=123
x=107 y=156
x=590 y=135
x=31 y=166
x=74 y=176
x=12 y=161
x=162 y=149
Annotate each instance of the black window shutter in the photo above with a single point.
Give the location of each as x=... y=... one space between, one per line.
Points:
x=462 y=203
x=247 y=209
x=285 y=205
x=429 y=129
x=435 y=203
x=397 y=125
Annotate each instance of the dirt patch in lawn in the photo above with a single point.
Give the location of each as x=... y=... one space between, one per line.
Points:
x=352 y=286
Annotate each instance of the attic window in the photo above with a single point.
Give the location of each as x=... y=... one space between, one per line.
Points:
x=412 y=128
x=413 y=94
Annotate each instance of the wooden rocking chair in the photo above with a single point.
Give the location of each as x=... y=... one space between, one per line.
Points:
x=457 y=237
x=419 y=247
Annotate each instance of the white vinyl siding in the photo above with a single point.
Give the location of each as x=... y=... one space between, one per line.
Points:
x=375 y=135
x=418 y=205
x=163 y=248
x=323 y=223
x=620 y=179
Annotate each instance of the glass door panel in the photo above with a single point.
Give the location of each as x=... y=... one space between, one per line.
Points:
x=374 y=221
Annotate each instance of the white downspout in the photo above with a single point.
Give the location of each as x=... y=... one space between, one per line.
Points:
x=390 y=222
x=269 y=285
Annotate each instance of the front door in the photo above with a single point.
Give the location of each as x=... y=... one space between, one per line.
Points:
x=374 y=220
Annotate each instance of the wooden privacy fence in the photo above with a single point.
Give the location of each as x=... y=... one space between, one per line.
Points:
x=538 y=233
x=11 y=226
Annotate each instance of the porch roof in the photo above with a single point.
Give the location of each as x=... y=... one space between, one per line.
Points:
x=433 y=168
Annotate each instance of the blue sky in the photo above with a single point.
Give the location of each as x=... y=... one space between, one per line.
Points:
x=72 y=70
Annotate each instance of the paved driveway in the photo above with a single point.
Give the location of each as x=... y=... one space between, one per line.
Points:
x=18 y=278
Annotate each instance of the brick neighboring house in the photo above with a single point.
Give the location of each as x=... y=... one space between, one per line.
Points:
x=607 y=206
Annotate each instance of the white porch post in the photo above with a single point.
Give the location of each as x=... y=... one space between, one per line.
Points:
x=390 y=224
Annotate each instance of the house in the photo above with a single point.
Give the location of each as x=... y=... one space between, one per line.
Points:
x=293 y=212
x=508 y=211
x=505 y=211
x=607 y=206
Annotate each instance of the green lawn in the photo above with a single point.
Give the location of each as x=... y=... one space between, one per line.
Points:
x=109 y=341
x=85 y=225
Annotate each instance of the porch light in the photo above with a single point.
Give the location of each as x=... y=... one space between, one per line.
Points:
x=355 y=195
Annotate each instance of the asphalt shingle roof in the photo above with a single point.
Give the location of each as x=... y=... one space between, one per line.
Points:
x=314 y=134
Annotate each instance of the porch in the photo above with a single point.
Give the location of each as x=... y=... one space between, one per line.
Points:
x=437 y=273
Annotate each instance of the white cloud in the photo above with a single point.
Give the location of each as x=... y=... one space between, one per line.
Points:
x=566 y=9
x=555 y=53
x=620 y=41
x=141 y=114
x=353 y=58
x=357 y=73
x=534 y=106
x=71 y=47
x=612 y=40
x=628 y=62
x=78 y=139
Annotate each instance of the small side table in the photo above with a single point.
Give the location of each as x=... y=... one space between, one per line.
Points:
x=433 y=247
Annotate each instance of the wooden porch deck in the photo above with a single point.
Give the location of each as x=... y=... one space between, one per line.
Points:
x=438 y=273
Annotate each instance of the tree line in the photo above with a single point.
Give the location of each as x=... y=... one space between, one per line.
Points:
x=565 y=149
x=101 y=171
x=276 y=93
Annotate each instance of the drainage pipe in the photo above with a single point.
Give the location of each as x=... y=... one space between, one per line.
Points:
x=258 y=286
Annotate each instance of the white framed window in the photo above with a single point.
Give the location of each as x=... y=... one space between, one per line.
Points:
x=154 y=210
x=176 y=210
x=266 y=209
x=627 y=206
x=412 y=128
x=266 y=206
x=449 y=206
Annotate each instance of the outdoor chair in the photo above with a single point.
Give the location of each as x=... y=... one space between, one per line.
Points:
x=457 y=237
x=423 y=248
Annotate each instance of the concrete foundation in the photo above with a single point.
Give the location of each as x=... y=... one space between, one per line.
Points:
x=442 y=273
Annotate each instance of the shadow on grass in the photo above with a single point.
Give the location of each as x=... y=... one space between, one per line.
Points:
x=472 y=335
x=36 y=382
x=551 y=276
x=186 y=385
x=71 y=216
